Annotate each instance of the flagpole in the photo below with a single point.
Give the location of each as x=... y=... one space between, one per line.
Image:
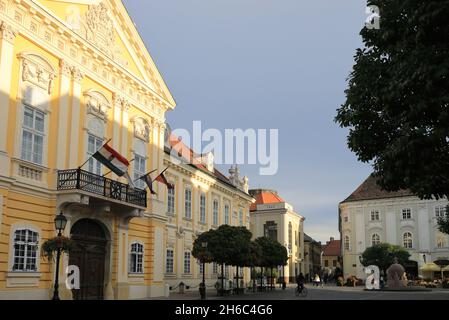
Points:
x=84 y=163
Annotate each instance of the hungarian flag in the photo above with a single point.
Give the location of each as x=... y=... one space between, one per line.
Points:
x=162 y=179
x=114 y=161
x=147 y=179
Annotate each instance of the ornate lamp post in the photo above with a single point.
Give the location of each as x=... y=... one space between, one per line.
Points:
x=60 y=223
x=203 y=284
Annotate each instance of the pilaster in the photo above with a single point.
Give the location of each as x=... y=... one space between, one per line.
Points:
x=64 y=102
x=76 y=114
x=7 y=37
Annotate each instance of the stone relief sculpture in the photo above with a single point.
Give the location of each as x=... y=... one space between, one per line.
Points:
x=97 y=27
x=141 y=129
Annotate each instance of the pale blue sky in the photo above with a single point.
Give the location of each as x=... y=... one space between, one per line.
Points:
x=266 y=64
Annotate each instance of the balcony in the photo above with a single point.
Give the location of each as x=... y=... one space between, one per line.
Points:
x=78 y=179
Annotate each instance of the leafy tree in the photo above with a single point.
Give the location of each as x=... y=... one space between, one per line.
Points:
x=273 y=254
x=397 y=101
x=241 y=249
x=205 y=254
x=383 y=254
x=254 y=259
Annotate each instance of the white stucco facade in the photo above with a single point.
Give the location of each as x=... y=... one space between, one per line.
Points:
x=404 y=221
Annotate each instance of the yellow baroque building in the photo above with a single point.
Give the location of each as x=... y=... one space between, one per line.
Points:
x=74 y=74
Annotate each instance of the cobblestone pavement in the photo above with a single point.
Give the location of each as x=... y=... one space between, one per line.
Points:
x=325 y=293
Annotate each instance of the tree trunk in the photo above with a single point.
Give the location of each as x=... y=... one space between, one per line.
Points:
x=222 y=279
x=237 y=276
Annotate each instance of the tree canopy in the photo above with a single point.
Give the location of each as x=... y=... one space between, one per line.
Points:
x=273 y=253
x=383 y=254
x=397 y=100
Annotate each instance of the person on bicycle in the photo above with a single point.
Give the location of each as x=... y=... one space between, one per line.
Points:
x=300 y=280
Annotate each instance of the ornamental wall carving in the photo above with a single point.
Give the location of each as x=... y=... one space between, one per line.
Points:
x=37 y=71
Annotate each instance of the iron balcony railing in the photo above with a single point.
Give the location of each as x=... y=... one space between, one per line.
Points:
x=83 y=180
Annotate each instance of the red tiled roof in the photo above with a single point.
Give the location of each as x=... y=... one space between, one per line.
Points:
x=369 y=189
x=264 y=197
x=332 y=248
x=193 y=159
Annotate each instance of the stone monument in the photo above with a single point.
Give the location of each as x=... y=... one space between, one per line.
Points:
x=395 y=274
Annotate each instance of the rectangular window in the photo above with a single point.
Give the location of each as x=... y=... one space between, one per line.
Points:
x=188 y=203
x=375 y=216
x=334 y=263
x=171 y=201
x=326 y=263
x=25 y=250
x=406 y=214
x=241 y=217
x=214 y=268
x=440 y=211
x=93 y=144
x=226 y=214
x=169 y=261
x=33 y=135
x=186 y=262
x=136 y=258
x=345 y=219
x=202 y=208
x=215 y=213
x=139 y=171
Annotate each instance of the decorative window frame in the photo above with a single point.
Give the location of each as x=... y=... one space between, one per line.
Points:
x=403 y=239
x=139 y=149
x=202 y=194
x=188 y=188
x=184 y=263
x=23 y=278
x=97 y=109
x=402 y=214
x=36 y=74
x=215 y=200
x=173 y=272
x=130 y=272
x=227 y=204
x=372 y=238
x=348 y=236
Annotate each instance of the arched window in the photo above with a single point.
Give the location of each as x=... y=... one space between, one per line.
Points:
x=407 y=240
x=375 y=239
x=26 y=244
x=136 y=259
x=347 y=243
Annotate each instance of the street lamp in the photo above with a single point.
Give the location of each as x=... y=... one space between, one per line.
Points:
x=203 y=285
x=60 y=223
